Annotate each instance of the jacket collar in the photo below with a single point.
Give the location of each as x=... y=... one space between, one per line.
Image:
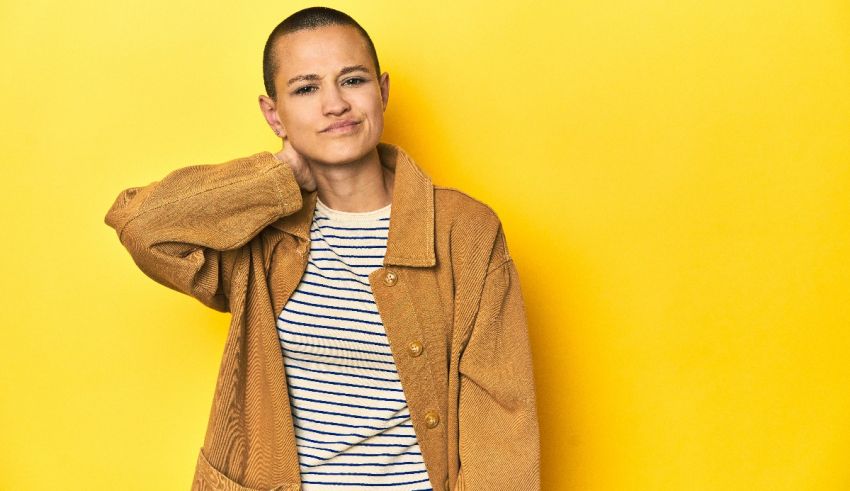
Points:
x=411 y=235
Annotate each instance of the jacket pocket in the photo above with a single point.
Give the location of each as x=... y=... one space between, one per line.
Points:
x=208 y=478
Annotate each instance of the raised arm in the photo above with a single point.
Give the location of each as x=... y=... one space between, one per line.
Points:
x=498 y=430
x=185 y=230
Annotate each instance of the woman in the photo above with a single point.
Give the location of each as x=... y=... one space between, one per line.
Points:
x=378 y=334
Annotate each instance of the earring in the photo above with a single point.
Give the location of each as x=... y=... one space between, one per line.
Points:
x=277 y=132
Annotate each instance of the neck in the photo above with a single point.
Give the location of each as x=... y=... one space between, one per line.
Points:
x=361 y=185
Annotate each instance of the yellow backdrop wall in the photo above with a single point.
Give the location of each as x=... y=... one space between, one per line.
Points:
x=673 y=179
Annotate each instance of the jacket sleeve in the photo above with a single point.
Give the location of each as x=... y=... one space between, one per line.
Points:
x=184 y=231
x=499 y=435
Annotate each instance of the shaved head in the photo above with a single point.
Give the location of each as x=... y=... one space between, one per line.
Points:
x=309 y=18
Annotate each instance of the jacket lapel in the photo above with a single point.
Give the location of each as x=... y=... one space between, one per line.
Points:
x=411 y=236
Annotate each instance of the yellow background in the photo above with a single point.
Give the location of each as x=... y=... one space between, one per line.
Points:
x=672 y=176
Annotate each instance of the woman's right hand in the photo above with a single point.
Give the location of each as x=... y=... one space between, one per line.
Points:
x=299 y=166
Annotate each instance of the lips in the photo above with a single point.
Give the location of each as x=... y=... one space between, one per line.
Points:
x=341 y=124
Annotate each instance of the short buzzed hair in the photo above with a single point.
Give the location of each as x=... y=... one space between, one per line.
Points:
x=309 y=18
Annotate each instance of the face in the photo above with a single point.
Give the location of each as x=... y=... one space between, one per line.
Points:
x=326 y=76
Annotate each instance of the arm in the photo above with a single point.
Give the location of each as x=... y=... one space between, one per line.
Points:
x=499 y=435
x=185 y=230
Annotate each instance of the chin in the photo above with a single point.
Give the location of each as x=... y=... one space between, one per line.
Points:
x=344 y=153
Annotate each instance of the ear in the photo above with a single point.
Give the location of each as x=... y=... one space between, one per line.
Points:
x=384 y=83
x=269 y=109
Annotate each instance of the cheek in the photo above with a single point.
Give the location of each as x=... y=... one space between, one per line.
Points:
x=374 y=107
x=294 y=117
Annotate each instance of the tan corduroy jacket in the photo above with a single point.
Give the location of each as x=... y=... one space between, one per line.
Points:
x=236 y=236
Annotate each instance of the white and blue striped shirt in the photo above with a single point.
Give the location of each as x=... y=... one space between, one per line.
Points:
x=352 y=424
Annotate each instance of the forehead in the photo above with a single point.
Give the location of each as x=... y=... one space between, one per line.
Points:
x=321 y=49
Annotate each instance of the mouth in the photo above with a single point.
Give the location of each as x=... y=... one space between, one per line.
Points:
x=341 y=127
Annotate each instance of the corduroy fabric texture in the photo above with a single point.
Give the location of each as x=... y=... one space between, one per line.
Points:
x=236 y=236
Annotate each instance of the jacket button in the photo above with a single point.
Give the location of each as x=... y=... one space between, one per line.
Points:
x=390 y=278
x=415 y=348
x=432 y=419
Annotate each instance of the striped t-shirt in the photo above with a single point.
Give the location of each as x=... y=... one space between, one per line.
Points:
x=352 y=425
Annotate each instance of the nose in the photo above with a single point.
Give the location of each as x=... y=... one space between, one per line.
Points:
x=333 y=101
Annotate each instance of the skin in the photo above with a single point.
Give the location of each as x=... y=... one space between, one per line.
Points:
x=343 y=167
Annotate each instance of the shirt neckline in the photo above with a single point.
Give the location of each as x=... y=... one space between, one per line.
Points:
x=352 y=216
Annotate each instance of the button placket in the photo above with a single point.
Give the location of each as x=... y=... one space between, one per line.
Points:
x=432 y=419
x=390 y=278
x=415 y=348
x=398 y=304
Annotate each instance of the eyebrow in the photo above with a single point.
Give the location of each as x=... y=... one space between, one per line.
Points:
x=313 y=76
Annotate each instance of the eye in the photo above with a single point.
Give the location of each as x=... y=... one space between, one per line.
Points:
x=303 y=90
x=359 y=80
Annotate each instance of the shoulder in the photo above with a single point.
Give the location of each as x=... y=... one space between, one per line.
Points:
x=469 y=223
x=459 y=206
